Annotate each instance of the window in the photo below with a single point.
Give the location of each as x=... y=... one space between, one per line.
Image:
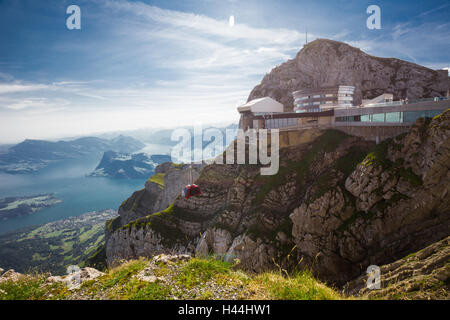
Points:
x=393 y=117
x=378 y=117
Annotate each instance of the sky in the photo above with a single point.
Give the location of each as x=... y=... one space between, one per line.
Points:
x=151 y=64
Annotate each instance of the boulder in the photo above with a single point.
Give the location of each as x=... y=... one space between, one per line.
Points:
x=75 y=279
x=11 y=275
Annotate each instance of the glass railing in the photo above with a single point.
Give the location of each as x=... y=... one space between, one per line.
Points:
x=393 y=103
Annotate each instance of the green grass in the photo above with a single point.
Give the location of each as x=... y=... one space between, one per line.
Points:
x=113 y=224
x=158 y=178
x=67 y=246
x=301 y=286
x=90 y=233
x=54 y=234
x=198 y=271
x=197 y=278
x=31 y=288
x=378 y=156
x=38 y=257
x=122 y=274
x=151 y=291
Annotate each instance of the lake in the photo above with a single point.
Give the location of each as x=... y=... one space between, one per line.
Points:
x=67 y=180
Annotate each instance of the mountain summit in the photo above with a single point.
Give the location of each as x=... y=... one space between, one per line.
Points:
x=327 y=63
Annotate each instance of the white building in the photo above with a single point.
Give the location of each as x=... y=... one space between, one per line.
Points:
x=258 y=107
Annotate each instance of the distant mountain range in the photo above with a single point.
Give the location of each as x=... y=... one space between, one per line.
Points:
x=128 y=166
x=32 y=155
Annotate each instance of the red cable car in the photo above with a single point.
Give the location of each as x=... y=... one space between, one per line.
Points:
x=191 y=190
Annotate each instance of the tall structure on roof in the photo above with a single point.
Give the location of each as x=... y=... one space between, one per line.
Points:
x=306 y=35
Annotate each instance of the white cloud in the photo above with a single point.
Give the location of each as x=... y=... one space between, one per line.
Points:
x=204 y=24
x=17 y=87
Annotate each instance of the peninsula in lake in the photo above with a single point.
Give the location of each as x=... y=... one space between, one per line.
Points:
x=12 y=207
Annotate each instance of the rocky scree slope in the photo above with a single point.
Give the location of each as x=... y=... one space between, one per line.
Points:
x=328 y=63
x=337 y=205
x=423 y=275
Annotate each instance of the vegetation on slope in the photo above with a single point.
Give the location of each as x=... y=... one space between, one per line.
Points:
x=54 y=246
x=158 y=178
x=193 y=279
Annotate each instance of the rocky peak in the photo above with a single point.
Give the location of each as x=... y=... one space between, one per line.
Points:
x=326 y=62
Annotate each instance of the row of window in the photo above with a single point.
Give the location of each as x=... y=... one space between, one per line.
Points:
x=308 y=110
x=406 y=116
x=315 y=103
x=280 y=123
x=316 y=96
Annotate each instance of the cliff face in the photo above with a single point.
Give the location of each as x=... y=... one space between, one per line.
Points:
x=124 y=241
x=395 y=202
x=158 y=193
x=337 y=205
x=328 y=63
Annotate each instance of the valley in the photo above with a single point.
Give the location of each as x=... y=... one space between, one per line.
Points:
x=56 y=245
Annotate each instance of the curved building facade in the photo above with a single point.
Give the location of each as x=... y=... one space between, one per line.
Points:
x=322 y=99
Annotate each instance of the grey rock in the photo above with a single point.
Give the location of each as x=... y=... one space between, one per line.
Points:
x=11 y=275
x=75 y=279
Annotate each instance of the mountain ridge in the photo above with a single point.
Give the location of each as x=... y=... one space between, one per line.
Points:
x=32 y=155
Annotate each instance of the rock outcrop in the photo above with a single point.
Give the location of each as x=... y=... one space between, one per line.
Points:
x=11 y=275
x=327 y=63
x=76 y=279
x=158 y=196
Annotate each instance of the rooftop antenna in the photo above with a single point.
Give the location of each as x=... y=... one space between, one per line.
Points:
x=306 y=35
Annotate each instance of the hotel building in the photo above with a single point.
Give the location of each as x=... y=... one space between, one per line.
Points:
x=322 y=99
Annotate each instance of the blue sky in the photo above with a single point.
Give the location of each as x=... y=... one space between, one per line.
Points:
x=166 y=63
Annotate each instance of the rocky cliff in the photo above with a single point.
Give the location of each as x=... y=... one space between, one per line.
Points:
x=159 y=193
x=328 y=63
x=337 y=205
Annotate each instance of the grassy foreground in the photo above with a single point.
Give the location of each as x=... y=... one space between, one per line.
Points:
x=193 y=279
